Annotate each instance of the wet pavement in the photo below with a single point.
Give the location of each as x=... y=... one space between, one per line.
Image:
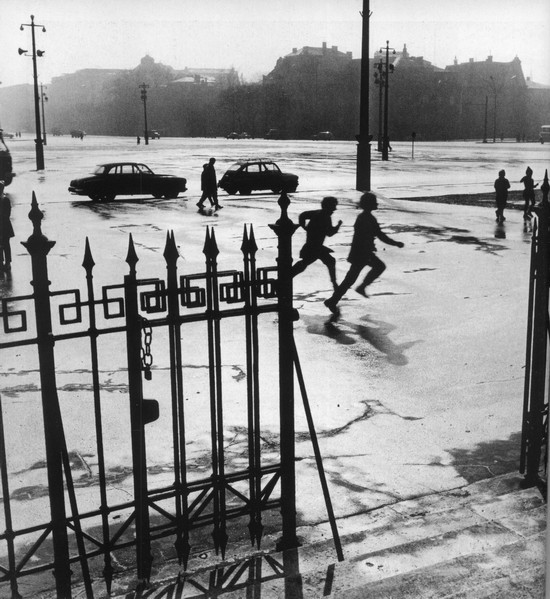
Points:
x=425 y=385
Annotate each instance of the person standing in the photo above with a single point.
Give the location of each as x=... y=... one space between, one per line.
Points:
x=319 y=225
x=502 y=185
x=528 y=192
x=363 y=252
x=6 y=230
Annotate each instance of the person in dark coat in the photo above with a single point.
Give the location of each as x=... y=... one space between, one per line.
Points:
x=204 y=185
x=319 y=225
x=209 y=185
x=6 y=230
x=363 y=252
x=502 y=185
x=528 y=192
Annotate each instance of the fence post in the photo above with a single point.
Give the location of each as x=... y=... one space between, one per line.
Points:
x=137 y=420
x=540 y=339
x=284 y=228
x=38 y=246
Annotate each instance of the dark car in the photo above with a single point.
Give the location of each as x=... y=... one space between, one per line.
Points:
x=153 y=134
x=127 y=178
x=246 y=176
x=324 y=135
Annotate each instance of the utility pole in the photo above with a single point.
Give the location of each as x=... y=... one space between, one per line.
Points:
x=363 y=147
x=144 y=88
x=485 y=123
x=43 y=98
x=379 y=80
x=35 y=53
x=389 y=69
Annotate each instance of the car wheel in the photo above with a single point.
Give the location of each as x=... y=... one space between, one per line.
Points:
x=291 y=188
x=276 y=190
x=157 y=196
x=245 y=191
x=171 y=194
x=94 y=197
x=231 y=191
x=108 y=197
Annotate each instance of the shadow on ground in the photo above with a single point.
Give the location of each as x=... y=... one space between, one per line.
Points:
x=488 y=459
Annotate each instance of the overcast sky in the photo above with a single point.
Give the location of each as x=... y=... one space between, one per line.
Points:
x=250 y=35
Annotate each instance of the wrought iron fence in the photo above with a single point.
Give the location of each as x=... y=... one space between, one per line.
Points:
x=136 y=310
x=534 y=440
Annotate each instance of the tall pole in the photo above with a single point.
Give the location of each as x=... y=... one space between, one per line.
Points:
x=143 y=88
x=38 y=140
x=494 y=108
x=485 y=123
x=379 y=80
x=363 y=148
x=386 y=141
x=42 y=98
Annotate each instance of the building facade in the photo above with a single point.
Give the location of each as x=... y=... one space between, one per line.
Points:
x=311 y=89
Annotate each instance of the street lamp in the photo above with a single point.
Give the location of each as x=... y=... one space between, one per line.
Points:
x=35 y=53
x=144 y=88
x=389 y=69
x=362 y=182
x=44 y=98
x=380 y=80
x=493 y=85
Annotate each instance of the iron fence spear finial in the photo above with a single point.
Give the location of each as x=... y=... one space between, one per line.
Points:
x=171 y=253
x=88 y=261
x=37 y=243
x=131 y=257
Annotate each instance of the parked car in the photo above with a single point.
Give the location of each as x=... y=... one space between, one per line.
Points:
x=153 y=134
x=235 y=135
x=127 y=178
x=324 y=135
x=246 y=176
x=273 y=134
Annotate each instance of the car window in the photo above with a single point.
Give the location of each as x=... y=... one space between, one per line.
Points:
x=270 y=166
x=235 y=167
x=253 y=168
x=143 y=168
x=99 y=170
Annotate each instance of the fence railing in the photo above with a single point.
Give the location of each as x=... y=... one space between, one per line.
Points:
x=534 y=440
x=132 y=312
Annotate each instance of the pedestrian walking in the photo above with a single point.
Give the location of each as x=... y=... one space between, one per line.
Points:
x=363 y=252
x=528 y=192
x=318 y=225
x=502 y=185
x=138 y=140
x=6 y=230
x=209 y=185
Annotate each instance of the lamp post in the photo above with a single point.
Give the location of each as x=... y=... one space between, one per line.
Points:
x=362 y=181
x=44 y=98
x=485 y=120
x=144 y=88
x=389 y=69
x=494 y=89
x=35 y=53
x=379 y=80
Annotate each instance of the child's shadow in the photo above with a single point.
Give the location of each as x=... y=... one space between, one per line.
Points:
x=376 y=333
